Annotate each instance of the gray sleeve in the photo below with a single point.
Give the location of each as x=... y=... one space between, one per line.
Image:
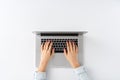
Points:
x=81 y=73
x=40 y=76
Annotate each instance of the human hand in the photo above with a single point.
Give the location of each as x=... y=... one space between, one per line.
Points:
x=46 y=53
x=71 y=54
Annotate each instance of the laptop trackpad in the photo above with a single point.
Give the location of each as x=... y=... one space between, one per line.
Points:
x=59 y=60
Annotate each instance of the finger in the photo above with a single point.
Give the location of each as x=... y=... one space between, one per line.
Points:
x=70 y=45
x=53 y=52
x=65 y=52
x=50 y=46
x=76 y=49
x=47 y=45
x=73 y=46
x=68 y=49
x=41 y=47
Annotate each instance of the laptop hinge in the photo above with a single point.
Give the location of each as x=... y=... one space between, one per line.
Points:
x=59 y=34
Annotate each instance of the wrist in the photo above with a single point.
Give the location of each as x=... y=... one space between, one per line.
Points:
x=75 y=64
x=42 y=67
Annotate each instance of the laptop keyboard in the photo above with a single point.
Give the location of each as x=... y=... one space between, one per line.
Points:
x=59 y=44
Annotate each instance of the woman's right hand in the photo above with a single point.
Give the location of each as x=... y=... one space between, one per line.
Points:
x=71 y=54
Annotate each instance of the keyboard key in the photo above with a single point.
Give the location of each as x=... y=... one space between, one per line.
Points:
x=59 y=44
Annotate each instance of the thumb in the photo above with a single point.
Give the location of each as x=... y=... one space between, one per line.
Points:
x=65 y=52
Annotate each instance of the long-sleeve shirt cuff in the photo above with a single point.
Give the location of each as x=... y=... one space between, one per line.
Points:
x=80 y=70
x=81 y=73
x=40 y=75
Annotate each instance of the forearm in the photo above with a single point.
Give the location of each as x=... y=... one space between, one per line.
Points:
x=42 y=67
x=40 y=74
x=81 y=73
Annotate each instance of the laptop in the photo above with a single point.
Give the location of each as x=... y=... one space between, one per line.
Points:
x=59 y=39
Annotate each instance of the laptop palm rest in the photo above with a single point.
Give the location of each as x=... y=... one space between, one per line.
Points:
x=59 y=60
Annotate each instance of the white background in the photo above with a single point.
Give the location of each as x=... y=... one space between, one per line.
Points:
x=18 y=18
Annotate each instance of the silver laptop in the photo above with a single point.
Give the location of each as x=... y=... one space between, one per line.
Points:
x=59 y=43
